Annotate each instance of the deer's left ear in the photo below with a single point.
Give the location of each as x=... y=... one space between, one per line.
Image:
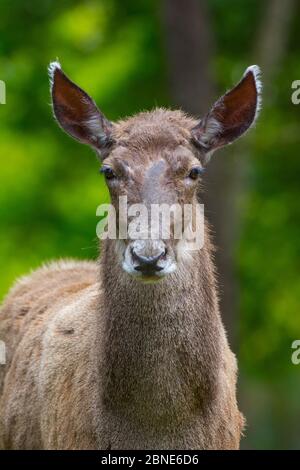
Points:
x=76 y=112
x=231 y=115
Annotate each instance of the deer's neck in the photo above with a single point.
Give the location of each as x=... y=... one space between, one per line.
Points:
x=161 y=342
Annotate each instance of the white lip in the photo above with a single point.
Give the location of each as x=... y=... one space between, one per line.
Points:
x=168 y=269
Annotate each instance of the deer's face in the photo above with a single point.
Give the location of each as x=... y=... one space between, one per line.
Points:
x=159 y=177
x=154 y=161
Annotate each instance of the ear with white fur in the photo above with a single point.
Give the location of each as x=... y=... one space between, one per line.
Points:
x=76 y=112
x=232 y=115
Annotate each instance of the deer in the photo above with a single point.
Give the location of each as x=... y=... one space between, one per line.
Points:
x=130 y=351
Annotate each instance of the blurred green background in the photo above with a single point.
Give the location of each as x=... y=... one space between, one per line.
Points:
x=135 y=55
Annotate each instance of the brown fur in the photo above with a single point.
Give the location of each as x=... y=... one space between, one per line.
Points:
x=99 y=360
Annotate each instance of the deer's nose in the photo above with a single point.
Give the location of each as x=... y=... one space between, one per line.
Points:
x=147 y=264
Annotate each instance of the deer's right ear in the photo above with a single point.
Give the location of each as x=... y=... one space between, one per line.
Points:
x=76 y=112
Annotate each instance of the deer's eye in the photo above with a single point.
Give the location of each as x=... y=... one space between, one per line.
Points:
x=195 y=172
x=108 y=172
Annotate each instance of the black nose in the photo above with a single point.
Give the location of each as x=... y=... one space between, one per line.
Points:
x=147 y=265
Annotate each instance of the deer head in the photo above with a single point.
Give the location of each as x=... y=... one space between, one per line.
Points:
x=155 y=157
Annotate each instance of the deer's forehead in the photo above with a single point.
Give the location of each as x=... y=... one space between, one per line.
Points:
x=152 y=159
